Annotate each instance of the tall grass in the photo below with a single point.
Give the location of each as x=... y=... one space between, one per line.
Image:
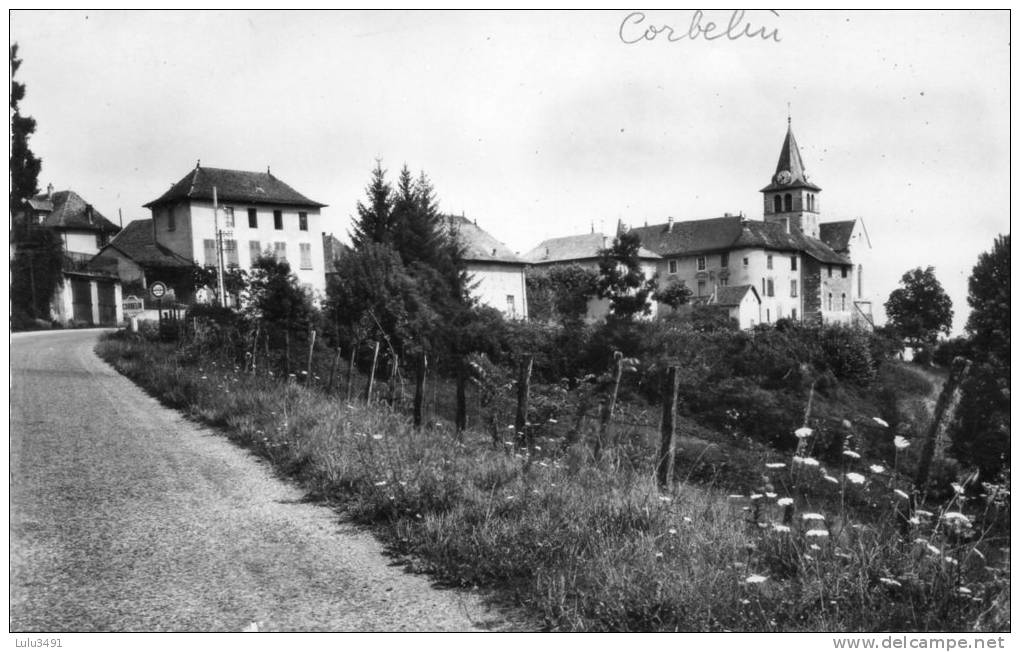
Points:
x=591 y=545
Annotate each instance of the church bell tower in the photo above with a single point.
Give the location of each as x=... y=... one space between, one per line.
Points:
x=790 y=199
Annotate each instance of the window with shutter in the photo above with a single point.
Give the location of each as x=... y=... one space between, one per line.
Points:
x=306 y=255
x=280 y=250
x=230 y=253
x=278 y=220
x=254 y=250
x=228 y=217
x=209 y=246
x=302 y=221
x=253 y=219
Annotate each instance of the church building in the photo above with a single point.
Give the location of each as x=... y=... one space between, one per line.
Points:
x=800 y=267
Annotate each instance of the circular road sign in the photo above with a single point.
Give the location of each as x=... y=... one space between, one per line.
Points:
x=157 y=290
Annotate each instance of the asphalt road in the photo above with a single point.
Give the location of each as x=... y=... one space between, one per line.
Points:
x=127 y=517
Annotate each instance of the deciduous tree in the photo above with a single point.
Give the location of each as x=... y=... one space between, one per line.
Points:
x=920 y=309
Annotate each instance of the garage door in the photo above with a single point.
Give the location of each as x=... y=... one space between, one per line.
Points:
x=107 y=304
x=81 y=301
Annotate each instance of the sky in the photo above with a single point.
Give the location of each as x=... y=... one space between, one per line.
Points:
x=539 y=124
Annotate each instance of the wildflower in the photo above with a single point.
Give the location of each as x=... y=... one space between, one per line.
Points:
x=783 y=502
x=901 y=494
x=951 y=560
x=852 y=454
x=831 y=479
x=816 y=533
x=538 y=448
x=956 y=516
x=808 y=557
x=889 y=581
x=770 y=494
x=755 y=579
x=881 y=422
x=510 y=427
x=932 y=549
x=815 y=546
x=957 y=487
x=812 y=516
x=756 y=496
x=913 y=520
x=672 y=530
x=855 y=478
x=735 y=497
x=510 y=497
x=978 y=553
x=745 y=601
x=923 y=512
x=775 y=465
x=687 y=519
x=205 y=378
x=553 y=421
x=304 y=373
x=964 y=590
x=665 y=499
x=658 y=554
x=780 y=528
x=381 y=483
x=377 y=437
x=803 y=432
x=877 y=468
x=900 y=442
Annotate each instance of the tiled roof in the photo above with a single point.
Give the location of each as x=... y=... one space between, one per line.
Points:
x=479 y=245
x=136 y=242
x=233 y=186
x=732 y=295
x=575 y=247
x=727 y=233
x=837 y=234
x=69 y=211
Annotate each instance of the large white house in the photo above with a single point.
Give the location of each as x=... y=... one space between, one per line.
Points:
x=497 y=273
x=258 y=212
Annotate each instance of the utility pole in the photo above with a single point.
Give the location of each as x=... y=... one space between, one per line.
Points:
x=219 y=248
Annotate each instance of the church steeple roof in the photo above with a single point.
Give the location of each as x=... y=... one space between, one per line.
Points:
x=789 y=163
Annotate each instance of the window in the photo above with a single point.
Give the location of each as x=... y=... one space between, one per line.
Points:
x=306 y=255
x=724 y=259
x=228 y=217
x=860 y=275
x=230 y=253
x=768 y=262
x=280 y=250
x=302 y=220
x=672 y=267
x=747 y=261
x=777 y=204
x=701 y=288
x=209 y=247
x=793 y=263
x=763 y=287
x=724 y=280
x=254 y=250
x=511 y=306
x=278 y=220
x=768 y=315
x=771 y=289
x=793 y=314
x=253 y=219
x=100 y=240
x=702 y=263
x=788 y=202
x=843 y=269
x=842 y=302
x=793 y=288
x=829 y=268
x=828 y=305
x=171 y=220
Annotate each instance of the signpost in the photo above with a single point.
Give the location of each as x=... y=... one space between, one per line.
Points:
x=157 y=290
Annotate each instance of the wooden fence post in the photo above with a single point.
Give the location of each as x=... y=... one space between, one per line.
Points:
x=609 y=406
x=350 y=370
x=311 y=351
x=670 y=389
x=419 y=389
x=958 y=370
x=523 y=388
x=332 y=371
x=460 y=414
x=371 y=376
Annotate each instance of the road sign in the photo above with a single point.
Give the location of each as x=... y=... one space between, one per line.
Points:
x=157 y=290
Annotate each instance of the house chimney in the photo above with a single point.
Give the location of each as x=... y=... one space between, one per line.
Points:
x=88 y=213
x=49 y=191
x=669 y=224
x=268 y=171
x=604 y=242
x=198 y=163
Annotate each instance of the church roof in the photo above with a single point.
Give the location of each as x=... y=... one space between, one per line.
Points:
x=233 y=186
x=731 y=232
x=575 y=248
x=479 y=245
x=67 y=210
x=837 y=234
x=790 y=161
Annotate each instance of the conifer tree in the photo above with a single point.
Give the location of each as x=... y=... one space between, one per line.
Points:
x=375 y=220
x=25 y=165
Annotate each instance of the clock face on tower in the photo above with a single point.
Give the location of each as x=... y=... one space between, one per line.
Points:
x=783 y=177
